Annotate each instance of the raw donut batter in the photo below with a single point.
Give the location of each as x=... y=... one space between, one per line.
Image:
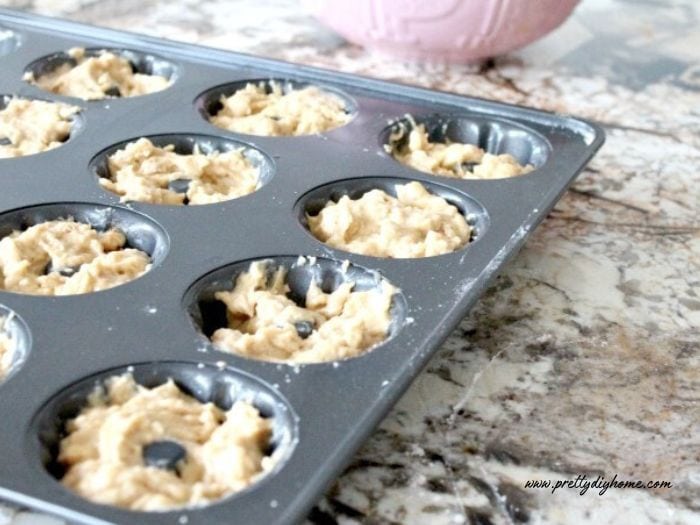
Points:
x=449 y=159
x=7 y=349
x=32 y=126
x=144 y=172
x=106 y=456
x=415 y=223
x=304 y=111
x=264 y=323
x=65 y=257
x=97 y=77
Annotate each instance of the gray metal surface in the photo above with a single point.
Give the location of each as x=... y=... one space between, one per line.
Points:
x=322 y=412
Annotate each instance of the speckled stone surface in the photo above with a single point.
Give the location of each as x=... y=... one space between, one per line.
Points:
x=584 y=356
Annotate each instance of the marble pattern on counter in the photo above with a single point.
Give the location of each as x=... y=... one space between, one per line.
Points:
x=583 y=357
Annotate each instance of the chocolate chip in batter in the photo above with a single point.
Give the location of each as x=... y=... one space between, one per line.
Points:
x=179 y=185
x=65 y=271
x=4 y=141
x=113 y=92
x=164 y=454
x=304 y=328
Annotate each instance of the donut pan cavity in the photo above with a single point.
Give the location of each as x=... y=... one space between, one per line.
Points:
x=186 y=144
x=141 y=62
x=322 y=413
x=208 y=383
x=209 y=314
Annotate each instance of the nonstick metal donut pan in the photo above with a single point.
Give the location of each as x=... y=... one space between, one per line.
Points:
x=322 y=413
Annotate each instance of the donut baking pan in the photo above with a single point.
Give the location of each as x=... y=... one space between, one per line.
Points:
x=156 y=325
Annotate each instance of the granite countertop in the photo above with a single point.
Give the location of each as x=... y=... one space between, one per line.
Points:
x=583 y=358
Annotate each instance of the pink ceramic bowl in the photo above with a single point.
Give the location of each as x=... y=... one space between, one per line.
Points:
x=459 y=31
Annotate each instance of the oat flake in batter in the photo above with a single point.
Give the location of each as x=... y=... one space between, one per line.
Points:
x=415 y=223
x=146 y=173
x=7 y=349
x=449 y=159
x=64 y=257
x=265 y=324
x=103 y=451
x=304 y=111
x=97 y=77
x=32 y=126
